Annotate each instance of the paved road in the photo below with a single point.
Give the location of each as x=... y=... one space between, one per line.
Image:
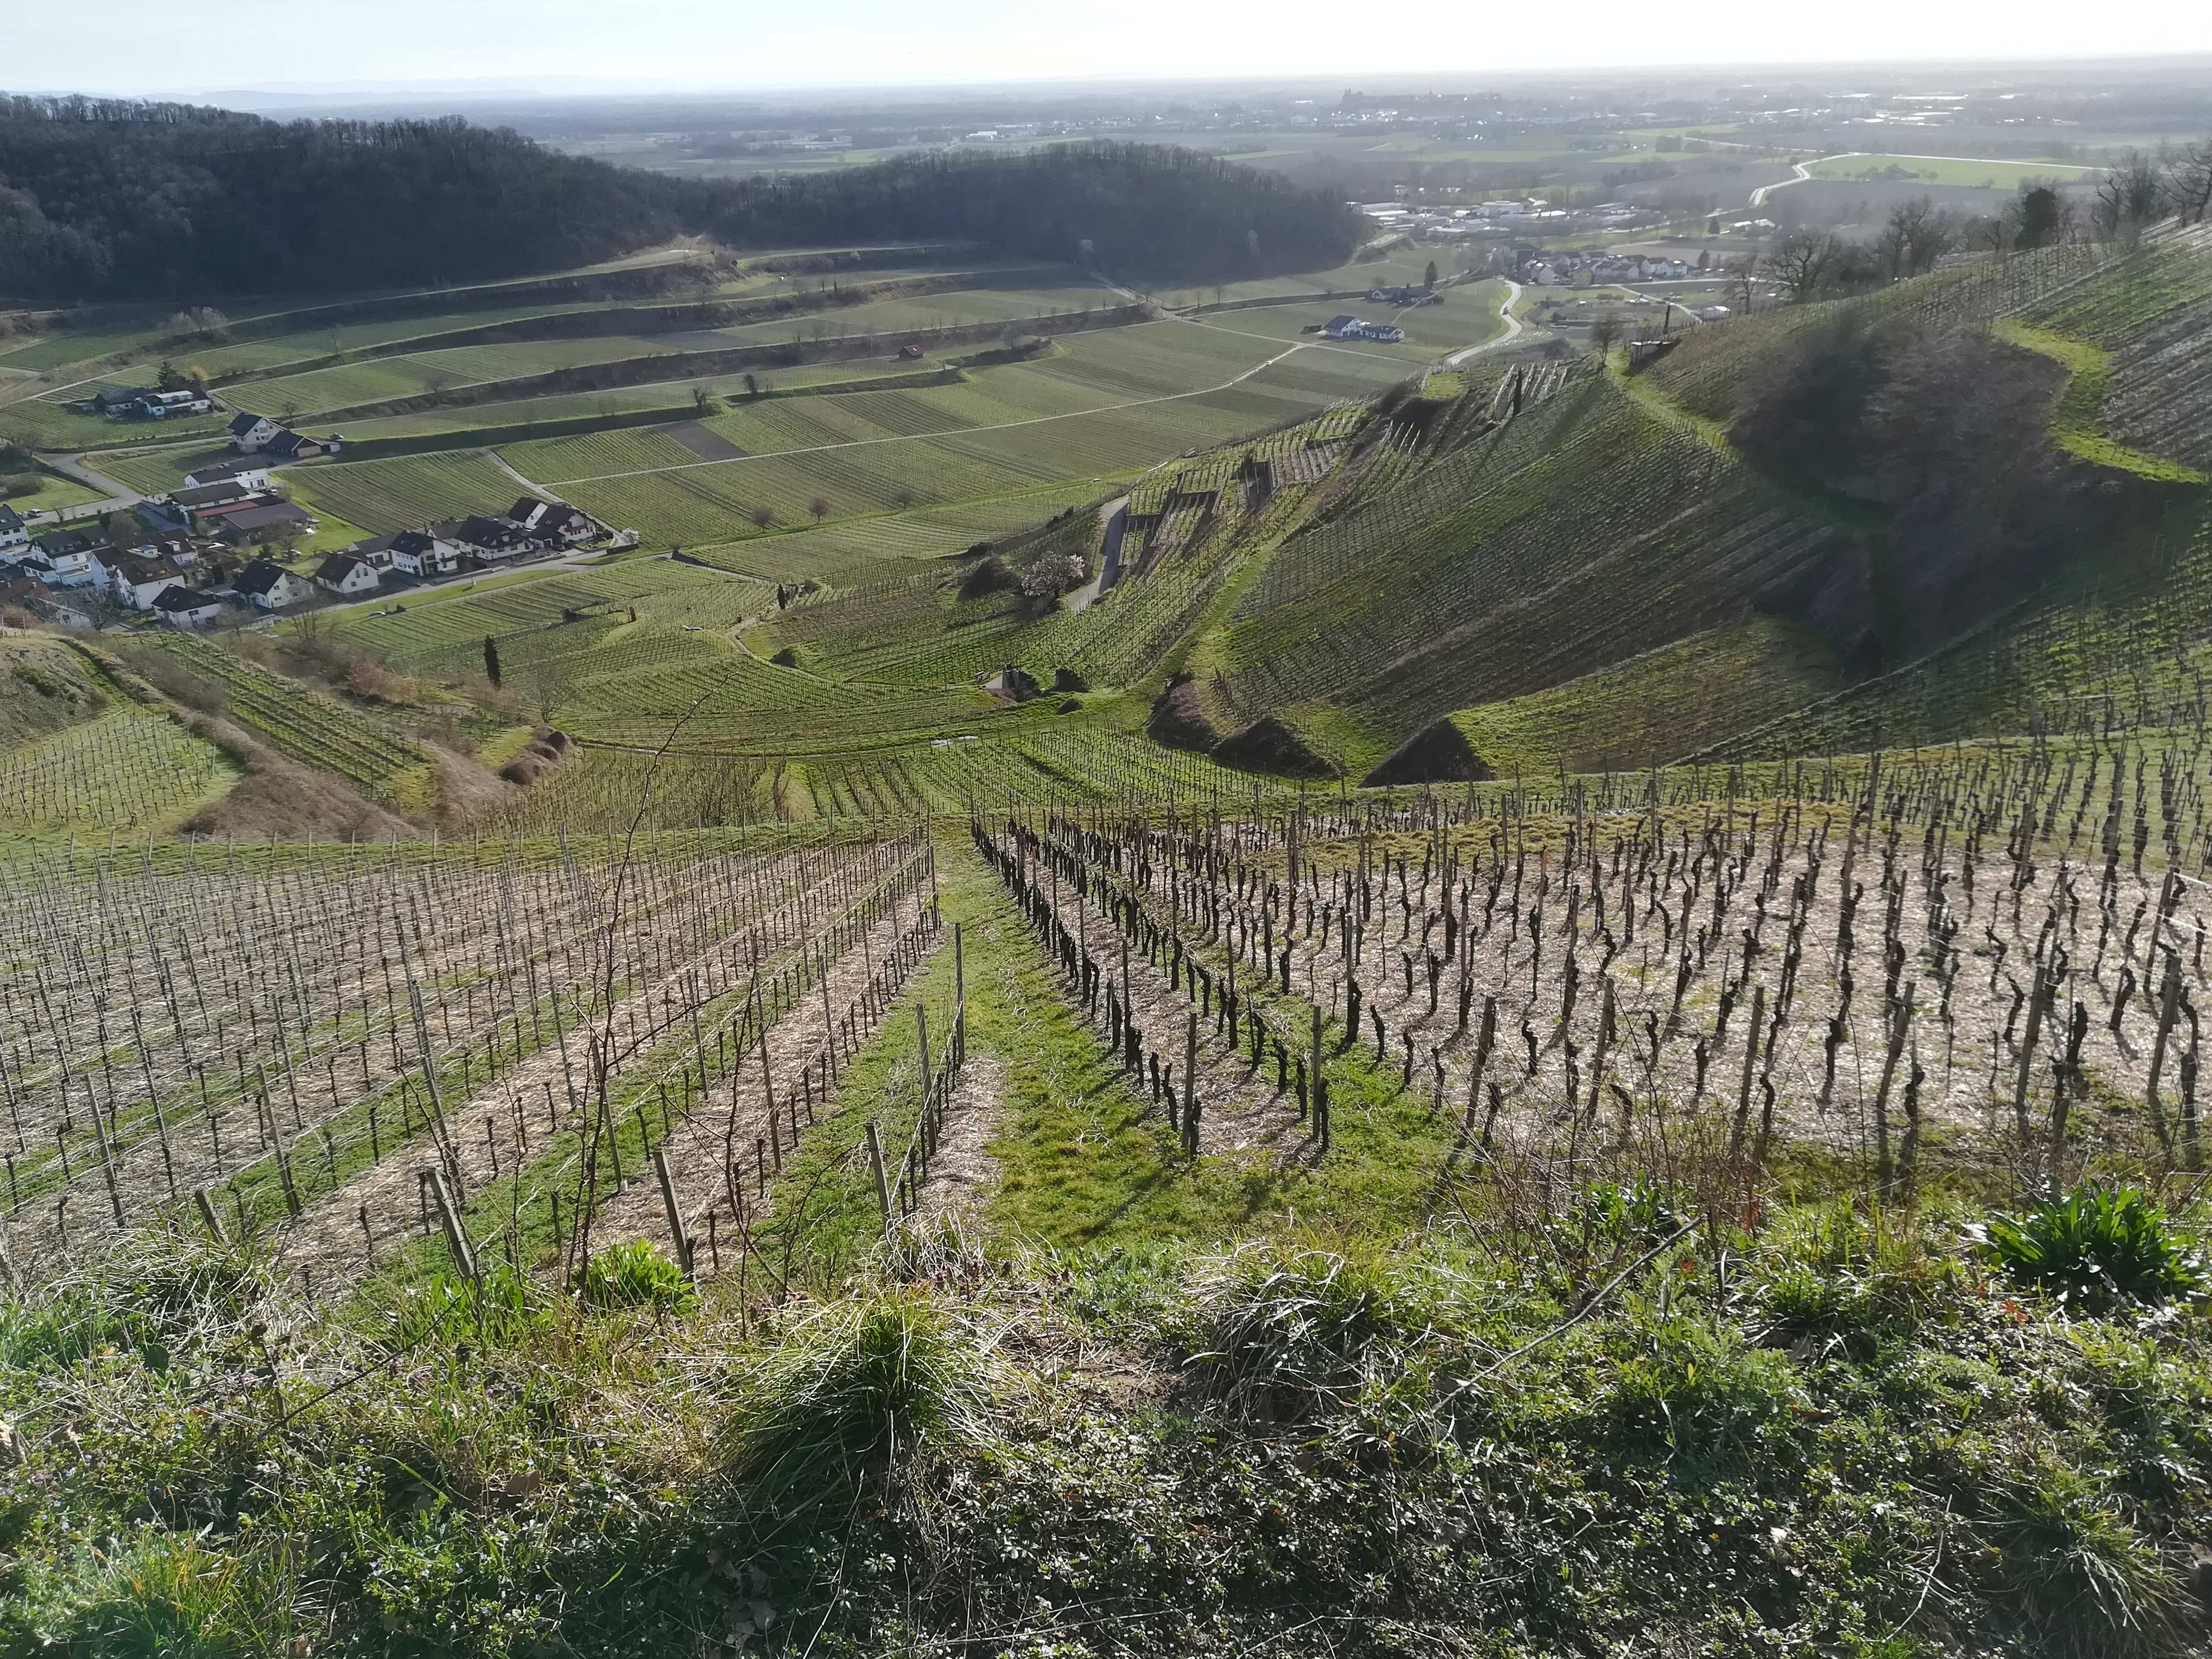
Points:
x=1513 y=331
x=1109 y=558
x=1803 y=169
x=119 y=496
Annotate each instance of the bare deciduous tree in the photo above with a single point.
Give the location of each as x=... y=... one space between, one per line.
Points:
x=1803 y=260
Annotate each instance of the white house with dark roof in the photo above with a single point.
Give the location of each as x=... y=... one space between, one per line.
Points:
x=489 y=536
x=137 y=581
x=183 y=607
x=12 y=533
x=74 y=558
x=268 y=585
x=553 y=524
x=245 y=473
x=421 y=553
x=160 y=405
x=375 y=552
x=346 y=576
x=250 y=432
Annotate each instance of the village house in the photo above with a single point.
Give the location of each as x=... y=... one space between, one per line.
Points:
x=345 y=575
x=424 y=553
x=27 y=592
x=246 y=473
x=183 y=607
x=553 y=524
x=160 y=405
x=269 y=587
x=12 y=533
x=489 y=537
x=1352 y=328
x=73 y=557
x=199 y=507
x=265 y=520
x=118 y=399
x=375 y=552
x=137 y=580
x=289 y=446
x=250 y=432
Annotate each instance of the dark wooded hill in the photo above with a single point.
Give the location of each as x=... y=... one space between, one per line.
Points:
x=107 y=200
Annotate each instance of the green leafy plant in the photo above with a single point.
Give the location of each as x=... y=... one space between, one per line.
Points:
x=634 y=1274
x=2096 y=1247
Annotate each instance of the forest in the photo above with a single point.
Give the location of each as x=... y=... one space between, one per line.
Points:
x=115 y=200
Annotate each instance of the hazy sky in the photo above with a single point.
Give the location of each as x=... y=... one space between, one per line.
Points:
x=155 y=46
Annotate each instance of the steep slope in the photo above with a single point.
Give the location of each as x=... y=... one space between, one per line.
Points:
x=1923 y=488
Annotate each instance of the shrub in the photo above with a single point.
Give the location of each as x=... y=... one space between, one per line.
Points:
x=856 y=1391
x=2096 y=1248
x=634 y=1274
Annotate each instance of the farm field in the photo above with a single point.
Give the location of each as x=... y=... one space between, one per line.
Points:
x=407 y=492
x=1993 y=175
x=296 y=396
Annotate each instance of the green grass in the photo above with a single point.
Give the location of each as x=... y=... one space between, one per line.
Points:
x=54 y=491
x=1654 y=709
x=1949 y=171
x=2078 y=424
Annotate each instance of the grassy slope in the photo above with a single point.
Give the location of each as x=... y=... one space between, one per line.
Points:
x=1653 y=709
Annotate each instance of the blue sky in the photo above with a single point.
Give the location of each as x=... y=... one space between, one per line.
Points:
x=169 y=46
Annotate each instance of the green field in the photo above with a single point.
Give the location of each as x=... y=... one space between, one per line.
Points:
x=53 y=490
x=1945 y=170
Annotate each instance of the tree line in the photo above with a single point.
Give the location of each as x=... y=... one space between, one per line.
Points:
x=113 y=199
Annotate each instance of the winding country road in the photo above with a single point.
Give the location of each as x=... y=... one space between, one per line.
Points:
x=1513 y=330
x=1803 y=169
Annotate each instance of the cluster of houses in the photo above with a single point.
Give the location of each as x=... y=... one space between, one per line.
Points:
x=1437 y=222
x=1348 y=327
x=181 y=573
x=232 y=501
x=1569 y=268
x=529 y=528
x=149 y=402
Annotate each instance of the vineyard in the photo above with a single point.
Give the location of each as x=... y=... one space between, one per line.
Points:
x=1455 y=1050
x=381 y=496
x=1583 y=532
x=313 y=728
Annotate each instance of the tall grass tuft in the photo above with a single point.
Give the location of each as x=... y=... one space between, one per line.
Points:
x=855 y=1391
x=170 y=1597
x=1285 y=1336
x=2092 y=1583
